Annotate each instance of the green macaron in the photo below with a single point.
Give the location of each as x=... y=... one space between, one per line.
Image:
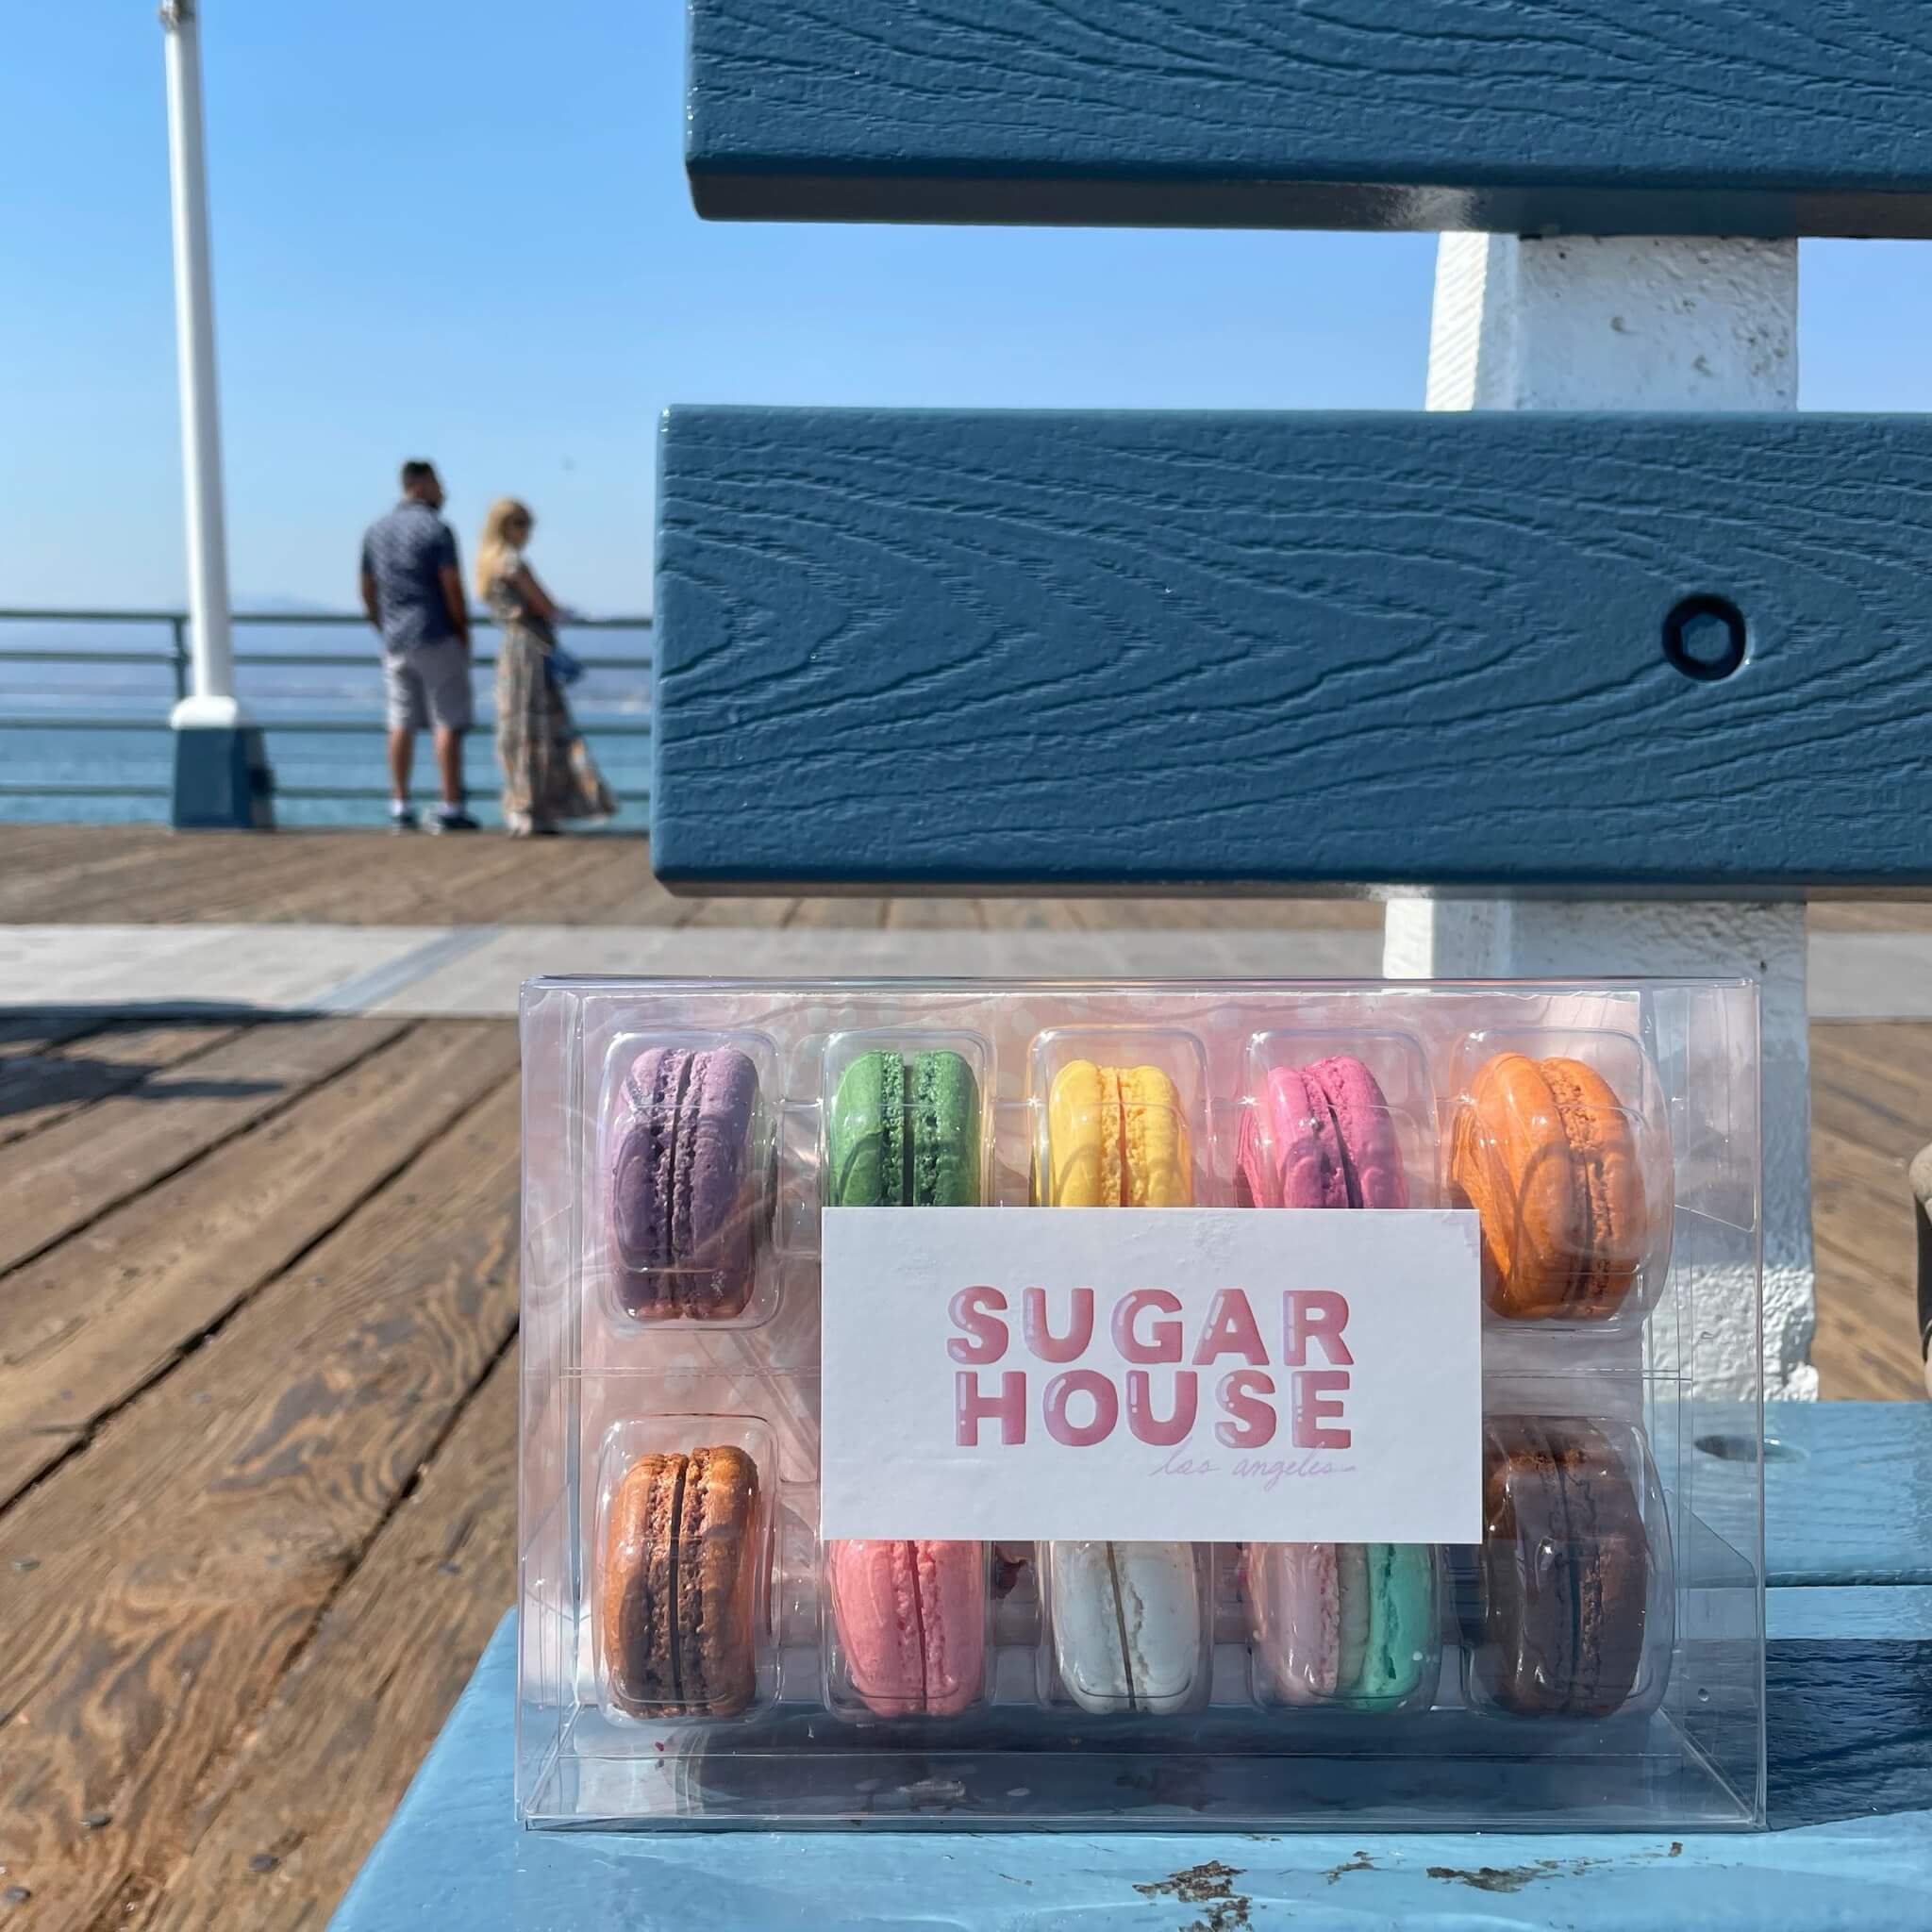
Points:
x=904 y=1133
x=1402 y=1624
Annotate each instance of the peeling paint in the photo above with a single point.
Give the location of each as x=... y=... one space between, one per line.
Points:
x=1515 y=1878
x=1211 y=1884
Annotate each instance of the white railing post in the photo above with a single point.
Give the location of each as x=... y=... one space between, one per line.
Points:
x=1578 y=323
x=211 y=693
x=220 y=778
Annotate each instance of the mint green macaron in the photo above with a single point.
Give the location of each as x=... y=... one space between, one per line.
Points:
x=1402 y=1640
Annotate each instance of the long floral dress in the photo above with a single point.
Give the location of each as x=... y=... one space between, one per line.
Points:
x=548 y=774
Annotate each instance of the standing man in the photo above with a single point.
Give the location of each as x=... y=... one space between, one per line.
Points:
x=413 y=594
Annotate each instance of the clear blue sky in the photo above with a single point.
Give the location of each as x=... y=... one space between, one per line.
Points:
x=459 y=228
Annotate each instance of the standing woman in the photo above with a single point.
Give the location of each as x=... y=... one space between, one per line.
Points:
x=548 y=774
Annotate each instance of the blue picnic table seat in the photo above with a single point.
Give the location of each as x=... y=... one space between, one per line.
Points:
x=1849 y=1545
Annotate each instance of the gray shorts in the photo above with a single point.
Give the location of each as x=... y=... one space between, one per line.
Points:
x=428 y=684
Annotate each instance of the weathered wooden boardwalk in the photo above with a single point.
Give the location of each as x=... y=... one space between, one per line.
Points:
x=258 y=1313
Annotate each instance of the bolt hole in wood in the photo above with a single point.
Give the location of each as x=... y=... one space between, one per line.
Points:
x=1742 y=1449
x=1705 y=638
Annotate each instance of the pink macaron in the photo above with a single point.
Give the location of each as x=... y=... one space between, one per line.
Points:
x=911 y=1620
x=1295 y=1594
x=1334 y=1141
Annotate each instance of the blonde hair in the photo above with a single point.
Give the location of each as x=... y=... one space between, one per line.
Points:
x=495 y=545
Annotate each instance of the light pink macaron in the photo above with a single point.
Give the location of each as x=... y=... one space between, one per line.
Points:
x=911 y=1620
x=1301 y=1604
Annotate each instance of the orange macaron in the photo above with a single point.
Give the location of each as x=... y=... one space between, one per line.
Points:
x=1546 y=1153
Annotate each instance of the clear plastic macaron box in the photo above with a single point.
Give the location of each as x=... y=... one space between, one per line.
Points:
x=1444 y=1509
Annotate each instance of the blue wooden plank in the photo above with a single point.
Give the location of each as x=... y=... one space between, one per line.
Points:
x=1091 y=650
x=1847 y=1491
x=1871 y=1613
x=1847 y=1487
x=1851 y=1846
x=1759 y=117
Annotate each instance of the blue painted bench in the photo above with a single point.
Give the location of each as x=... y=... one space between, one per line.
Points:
x=1849 y=1543
x=1715 y=117
x=1122 y=649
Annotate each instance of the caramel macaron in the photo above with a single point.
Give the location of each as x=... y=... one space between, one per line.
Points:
x=679 y=1584
x=1546 y=1154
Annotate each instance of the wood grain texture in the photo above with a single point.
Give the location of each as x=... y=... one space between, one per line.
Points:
x=1090 y=650
x=159 y=1584
x=28 y=1035
x=362 y=878
x=1871 y=1112
x=1847 y=1490
x=64 y=1177
x=39 y=1089
x=96 y=1317
x=279 y=1829
x=1869 y=1612
x=1750 y=117
x=1851 y=1847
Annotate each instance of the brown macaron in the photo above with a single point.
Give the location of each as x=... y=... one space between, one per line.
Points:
x=1545 y=1152
x=1565 y=1571
x=680 y=1583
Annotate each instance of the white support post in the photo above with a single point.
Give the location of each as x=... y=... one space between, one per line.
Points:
x=211 y=693
x=1576 y=323
x=221 y=776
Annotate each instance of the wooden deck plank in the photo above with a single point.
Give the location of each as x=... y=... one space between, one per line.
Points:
x=236 y=884
x=35 y=881
x=440 y=880
x=842 y=915
x=1871 y=1110
x=96 y=1317
x=161 y=1582
x=637 y=896
x=61 y=1179
x=25 y=1035
x=125 y=887
x=315 y=1782
x=570 y=882
x=141 y=875
x=765 y=912
x=947 y=914
x=1864 y=1344
x=40 y=1090
x=1241 y=915
x=1870 y=915
x=1028 y=915
x=623 y=890
x=46 y=844
x=424 y=879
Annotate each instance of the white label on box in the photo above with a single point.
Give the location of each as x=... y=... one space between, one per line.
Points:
x=1169 y=1374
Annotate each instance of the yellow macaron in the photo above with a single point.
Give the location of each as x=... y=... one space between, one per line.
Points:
x=1117 y=1137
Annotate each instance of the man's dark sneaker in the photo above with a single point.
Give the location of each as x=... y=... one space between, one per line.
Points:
x=401 y=818
x=452 y=818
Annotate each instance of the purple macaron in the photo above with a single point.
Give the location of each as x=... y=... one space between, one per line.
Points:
x=683 y=1189
x=1335 y=1142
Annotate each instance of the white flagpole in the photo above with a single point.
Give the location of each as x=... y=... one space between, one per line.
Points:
x=211 y=701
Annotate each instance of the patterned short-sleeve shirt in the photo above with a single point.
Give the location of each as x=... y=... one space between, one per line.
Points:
x=406 y=552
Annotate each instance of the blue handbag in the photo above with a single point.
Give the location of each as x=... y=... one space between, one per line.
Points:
x=562 y=668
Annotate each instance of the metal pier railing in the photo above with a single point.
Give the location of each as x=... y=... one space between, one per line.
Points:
x=76 y=714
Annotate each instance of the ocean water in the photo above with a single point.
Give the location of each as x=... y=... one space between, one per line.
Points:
x=66 y=728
